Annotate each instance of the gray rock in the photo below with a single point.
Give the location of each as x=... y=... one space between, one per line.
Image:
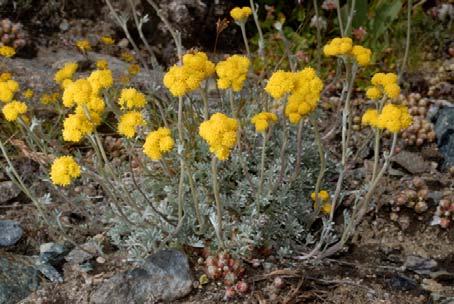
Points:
x=444 y=128
x=412 y=162
x=163 y=276
x=18 y=278
x=420 y=265
x=52 y=253
x=79 y=256
x=8 y=191
x=10 y=233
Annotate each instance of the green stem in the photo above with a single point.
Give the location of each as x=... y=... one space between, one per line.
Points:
x=243 y=33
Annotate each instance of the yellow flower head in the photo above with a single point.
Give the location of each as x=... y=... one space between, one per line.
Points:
x=5 y=76
x=28 y=94
x=373 y=93
x=133 y=69
x=49 y=98
x=220 y=132
x=370 y=118
x=263 y=120
x=199 y=63
x=8 y=89
x=241 y=14
x=13 y=110
x=83 y=45
x=129 y=122
x=7 y=51
x=100 y=79
x=77 y=92
x=280 y=83
x=107 y=40
x=102 y=64
x=338 y=46
x=158 y=143
x=64 y=170
x=178 y=82
x=232 y=72
x=76 y=126
x=127 y=56
x=362 y=55
x=131 y=98
x=323 y=195
x=92 y=110
x=66 y=72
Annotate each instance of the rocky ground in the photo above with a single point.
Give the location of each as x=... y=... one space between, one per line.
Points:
x=403 y=252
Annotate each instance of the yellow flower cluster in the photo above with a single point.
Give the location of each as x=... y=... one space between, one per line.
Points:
x=85 y=94
x=158 y=143
x=323 y=196
x=102 y=64
x=240 y=14
x=7 y=90
x=14 y=109
x=344 y=46
x=304 y=88
x=189 y=76
x=383 y=84
x=66 y=72
x=393 y=118
x=7 y=51
x=83 y=45
x=107 y=40
x=131 y=98
x=220 y=132
x=64 y=170
x=263 y=120
x=232 y=72
x=129 y=122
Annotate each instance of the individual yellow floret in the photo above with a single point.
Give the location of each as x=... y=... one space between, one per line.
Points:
x=323 y=195
x=13 y=110
x=64 y=170
x=28 y=94
x=232 y=72
x=241 y=14
x=220 y=132
x=5 y=76
x=129 y=122
x=133 y=69
x=131 y=98
x=66 y=72
x=158 y=143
